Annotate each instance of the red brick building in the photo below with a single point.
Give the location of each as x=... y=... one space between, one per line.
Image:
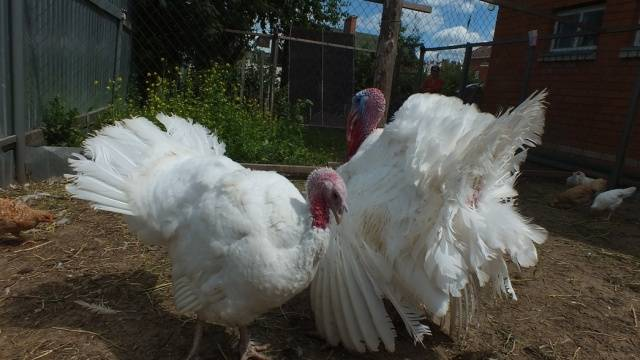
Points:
x=479 y=64
x=590 y=78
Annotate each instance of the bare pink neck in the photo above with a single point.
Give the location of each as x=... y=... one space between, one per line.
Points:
x=357 y=138
x=319 y=212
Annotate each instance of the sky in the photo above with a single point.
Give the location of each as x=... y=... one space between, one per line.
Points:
x=451 y=22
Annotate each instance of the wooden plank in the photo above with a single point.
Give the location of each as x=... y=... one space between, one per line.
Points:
x=299 y=170
x=291 y=38
x=293 y=170
x=324 y=43
x=7 y=141
x=303 y=171
x=409 y=6
x=32 y=138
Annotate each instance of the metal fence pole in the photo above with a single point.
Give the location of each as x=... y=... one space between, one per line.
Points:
x=17 y=85
x=421 y=69
x=531 y=52
x=618 y=169
x=274 y=70
x=118 y=51
x=243 y=63
x=465 y=69
x=261 y=79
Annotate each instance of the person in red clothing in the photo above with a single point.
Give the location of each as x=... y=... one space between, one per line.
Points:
x=433 y=83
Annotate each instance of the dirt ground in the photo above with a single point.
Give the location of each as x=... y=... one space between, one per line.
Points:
x=581 y=302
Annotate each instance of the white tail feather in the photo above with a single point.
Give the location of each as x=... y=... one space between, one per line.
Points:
x=117 y=151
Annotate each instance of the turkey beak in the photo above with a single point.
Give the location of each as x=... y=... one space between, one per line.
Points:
x=338 y=213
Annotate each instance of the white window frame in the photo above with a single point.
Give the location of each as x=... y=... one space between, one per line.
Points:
x=581 y=12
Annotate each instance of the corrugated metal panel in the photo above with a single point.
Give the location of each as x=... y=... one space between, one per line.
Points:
x=70 y=49
x=125 y=57
x=71 y=53
x=7 y=167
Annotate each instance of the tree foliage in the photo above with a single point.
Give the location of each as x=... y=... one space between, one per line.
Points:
x=169 y=33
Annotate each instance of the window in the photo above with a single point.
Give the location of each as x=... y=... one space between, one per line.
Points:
x=576 y=20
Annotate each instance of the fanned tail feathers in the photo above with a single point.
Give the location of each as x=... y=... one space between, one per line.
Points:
x=116 y=152
x=463 y=223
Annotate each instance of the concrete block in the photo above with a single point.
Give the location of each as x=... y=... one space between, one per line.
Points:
x=44 y=162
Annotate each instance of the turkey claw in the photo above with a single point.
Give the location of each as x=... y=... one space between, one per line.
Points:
x=253 y=352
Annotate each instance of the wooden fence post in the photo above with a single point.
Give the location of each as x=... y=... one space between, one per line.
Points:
x=387 y=50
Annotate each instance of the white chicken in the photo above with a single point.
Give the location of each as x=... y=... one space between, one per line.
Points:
x=241 y=242
x=578 y=178
x=434 y=216
x=611 y=200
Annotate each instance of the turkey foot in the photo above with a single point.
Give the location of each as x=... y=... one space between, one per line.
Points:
x=197 y=336
x=247 y=349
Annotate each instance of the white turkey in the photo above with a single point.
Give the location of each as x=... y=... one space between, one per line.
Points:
x=241 y=242
x=611 y=200
x=430 y=215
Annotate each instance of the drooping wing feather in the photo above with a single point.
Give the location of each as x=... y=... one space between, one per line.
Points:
x=428 y=218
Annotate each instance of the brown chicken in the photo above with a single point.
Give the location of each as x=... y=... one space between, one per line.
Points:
x=598 y=185
x=577 y=195
x=16 y=217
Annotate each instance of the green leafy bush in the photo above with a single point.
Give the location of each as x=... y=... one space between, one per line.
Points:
x=211 y=97
x=60 y=128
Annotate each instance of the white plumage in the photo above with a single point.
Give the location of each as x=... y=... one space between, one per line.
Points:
x=241 y=242
x=611 y=200
x=430 y=215
x=579 y=178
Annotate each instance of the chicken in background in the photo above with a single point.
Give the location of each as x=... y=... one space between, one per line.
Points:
x=598 y=185
x=16 y=216
x=611 y=200
x=577 y=195
x=578 y=178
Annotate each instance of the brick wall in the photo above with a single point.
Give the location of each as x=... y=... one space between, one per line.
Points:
x=481 y=67
x=588 y=100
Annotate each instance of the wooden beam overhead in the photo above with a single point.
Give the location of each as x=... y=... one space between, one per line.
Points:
x=409 y=6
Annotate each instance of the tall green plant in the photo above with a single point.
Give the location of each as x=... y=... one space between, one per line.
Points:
x=211 y=97
x=60 y=128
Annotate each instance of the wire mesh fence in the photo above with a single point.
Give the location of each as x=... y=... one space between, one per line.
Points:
x=316 y=54
x=323 y=58
x=492 y=53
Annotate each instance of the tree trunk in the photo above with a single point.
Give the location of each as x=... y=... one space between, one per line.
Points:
x=387 y=50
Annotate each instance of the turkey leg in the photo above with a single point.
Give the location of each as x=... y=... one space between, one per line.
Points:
x=196 y=341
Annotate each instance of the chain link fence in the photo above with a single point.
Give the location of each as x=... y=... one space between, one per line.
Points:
x=323 y=58
x=318 y=53
x=492 y=53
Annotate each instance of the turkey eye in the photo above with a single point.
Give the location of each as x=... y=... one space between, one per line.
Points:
x=335 y=195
